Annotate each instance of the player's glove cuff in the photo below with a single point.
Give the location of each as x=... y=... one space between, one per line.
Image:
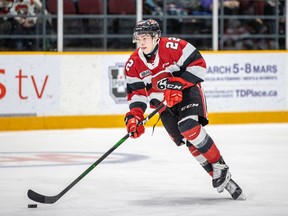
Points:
x=132 y=120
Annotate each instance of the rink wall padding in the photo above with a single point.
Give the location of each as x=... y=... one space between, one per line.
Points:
x=62 y=90
x=116 y=121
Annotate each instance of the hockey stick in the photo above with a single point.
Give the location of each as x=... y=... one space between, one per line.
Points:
x=52 y=199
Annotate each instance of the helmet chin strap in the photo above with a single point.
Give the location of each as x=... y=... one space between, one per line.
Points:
x=155 y=42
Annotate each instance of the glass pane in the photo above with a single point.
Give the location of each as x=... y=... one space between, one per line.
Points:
x=83 y=44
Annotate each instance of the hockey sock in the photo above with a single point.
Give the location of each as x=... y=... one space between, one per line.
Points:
x=198 y=137
x=202 y=160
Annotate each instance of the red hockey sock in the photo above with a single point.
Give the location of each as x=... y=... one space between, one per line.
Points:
x=213 y=154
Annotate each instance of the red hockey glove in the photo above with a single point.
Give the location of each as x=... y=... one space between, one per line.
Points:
x=132 y=119
x=173 y=93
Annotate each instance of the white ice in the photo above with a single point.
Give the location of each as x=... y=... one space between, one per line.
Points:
x=156 y=178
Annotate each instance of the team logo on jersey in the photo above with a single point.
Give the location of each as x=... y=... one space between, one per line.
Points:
x=159 y=81
x=145 y=73
x=117 y=83
x=162 y=84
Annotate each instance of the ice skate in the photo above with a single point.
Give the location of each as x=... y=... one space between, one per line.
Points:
x=235 y=191
x=221 y=176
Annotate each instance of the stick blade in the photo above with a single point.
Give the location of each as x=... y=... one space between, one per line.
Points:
x=41 y=198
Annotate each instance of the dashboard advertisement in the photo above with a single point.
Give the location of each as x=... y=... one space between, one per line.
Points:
x=94 y=84
x=246 y=82
x=29 y=85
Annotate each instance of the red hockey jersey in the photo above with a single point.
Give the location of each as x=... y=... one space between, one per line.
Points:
x=175 y=57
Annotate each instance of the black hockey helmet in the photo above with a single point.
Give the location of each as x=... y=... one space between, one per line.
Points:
x=149 y=26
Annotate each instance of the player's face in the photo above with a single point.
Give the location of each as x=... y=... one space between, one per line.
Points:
x=145 y=42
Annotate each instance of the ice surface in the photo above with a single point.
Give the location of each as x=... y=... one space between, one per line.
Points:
x=146 y=176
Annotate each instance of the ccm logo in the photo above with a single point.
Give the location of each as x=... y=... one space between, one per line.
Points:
x=189 y=106
x=174 y=86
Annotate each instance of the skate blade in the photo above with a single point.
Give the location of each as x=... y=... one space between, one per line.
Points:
x=241 y=197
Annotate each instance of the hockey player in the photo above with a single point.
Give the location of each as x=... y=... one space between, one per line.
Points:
x=172 y=70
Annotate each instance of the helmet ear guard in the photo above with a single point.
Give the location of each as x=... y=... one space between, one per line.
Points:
x=149 y=26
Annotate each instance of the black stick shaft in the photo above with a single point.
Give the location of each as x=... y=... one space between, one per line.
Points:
x=52 y=199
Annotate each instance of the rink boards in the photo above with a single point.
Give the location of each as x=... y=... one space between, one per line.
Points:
x=80 y=90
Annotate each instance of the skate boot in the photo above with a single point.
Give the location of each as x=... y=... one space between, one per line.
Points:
x=221 y=175
x=235 y=191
